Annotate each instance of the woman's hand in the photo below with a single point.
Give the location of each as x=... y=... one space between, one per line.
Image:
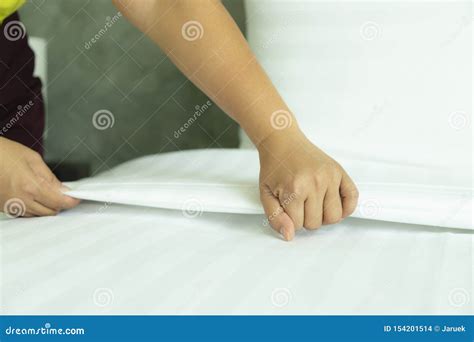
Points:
x=301 y=186
x=27 y=186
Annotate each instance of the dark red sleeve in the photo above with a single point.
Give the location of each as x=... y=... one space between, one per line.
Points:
x=21 y=103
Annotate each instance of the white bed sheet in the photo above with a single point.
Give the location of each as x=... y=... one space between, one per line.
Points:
x=102 y=258
x=226 y=180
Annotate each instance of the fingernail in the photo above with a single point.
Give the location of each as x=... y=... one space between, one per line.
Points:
x=287 y=233
x=291 y=234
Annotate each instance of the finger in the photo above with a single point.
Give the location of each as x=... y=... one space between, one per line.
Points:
x=313 y=211
x=278 y=219
x=51 y=189
x=69 y=202
x=37 y=209
x=40 y=168
x=332 y=206
x=294 y=207
x=51 y=197
x=349 y=195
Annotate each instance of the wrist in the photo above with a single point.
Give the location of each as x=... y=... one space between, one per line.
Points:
x=280 y=139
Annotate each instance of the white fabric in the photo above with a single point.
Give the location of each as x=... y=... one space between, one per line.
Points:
x=371 y=76
x=114 y=259
x=38 y=45
x=226 y=180
x=388 y=80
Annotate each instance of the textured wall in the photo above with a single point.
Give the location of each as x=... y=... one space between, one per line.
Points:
x=122 y=73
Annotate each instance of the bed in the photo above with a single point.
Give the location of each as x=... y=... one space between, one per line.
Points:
x=158 y=235
x=164 y=252
x=115 y=259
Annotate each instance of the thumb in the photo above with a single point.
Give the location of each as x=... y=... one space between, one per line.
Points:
x=278 y=219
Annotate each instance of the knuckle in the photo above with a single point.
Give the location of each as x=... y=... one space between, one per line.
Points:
x=35 y=156
x=352 y=192
x=355 y=193
x=56 y=206
x=320 y=178
x=328 y=171
x=332 y=216
x=298 y=187
x=29 y=188
x=288 y=197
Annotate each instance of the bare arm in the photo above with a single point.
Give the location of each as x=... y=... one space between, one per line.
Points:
x=204 y=42
x=300 y=185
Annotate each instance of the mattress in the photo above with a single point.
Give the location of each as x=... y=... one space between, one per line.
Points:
x=183 y=233
x=103 y=258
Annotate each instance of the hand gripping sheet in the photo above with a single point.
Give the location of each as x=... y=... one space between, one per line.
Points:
x=226 y=180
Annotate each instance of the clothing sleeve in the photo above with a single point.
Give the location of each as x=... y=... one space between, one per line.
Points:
x=7 y=7
x=22 y=114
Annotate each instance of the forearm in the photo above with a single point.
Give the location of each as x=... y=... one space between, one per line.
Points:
x=204 y=42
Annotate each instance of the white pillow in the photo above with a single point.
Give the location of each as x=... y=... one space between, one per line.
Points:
x=226 y=180
x=381 y=81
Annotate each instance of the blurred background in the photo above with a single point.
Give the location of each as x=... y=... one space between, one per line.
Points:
x=97 y=62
